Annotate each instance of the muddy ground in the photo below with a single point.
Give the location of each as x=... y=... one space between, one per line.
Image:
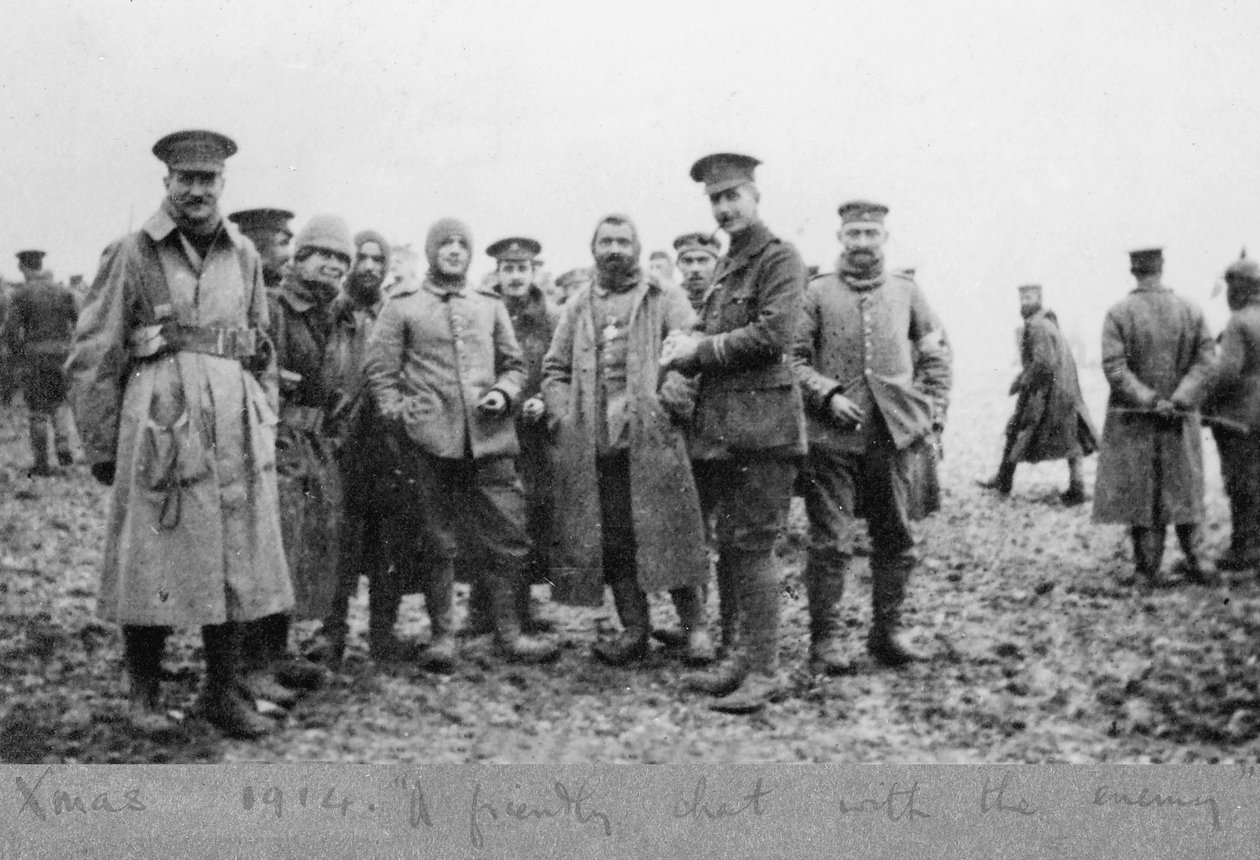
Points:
x=1037 y=649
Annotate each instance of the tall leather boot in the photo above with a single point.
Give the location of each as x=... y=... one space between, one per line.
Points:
x=1075 y=494
x=888 y=591
x=1193 y=567
x=696 y=644
x=220 y=701
x=824 y=587
x=439 y=656
x=1003 y=481
x=759 y=635
x=509 y=641
x=732 y=665
x=1148 y=551
x=38 y=428
x=142 y=654
x=290 y=670
x=728 y=605
x=480 y=620
x=631 y=645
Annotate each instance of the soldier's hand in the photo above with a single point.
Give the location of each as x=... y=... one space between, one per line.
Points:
x=1165 y=407
x=534 y=409
x=678 y=349
x=845 y=410
x=493 y=403
x=104 y=472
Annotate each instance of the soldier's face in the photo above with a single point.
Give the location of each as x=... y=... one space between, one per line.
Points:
x=369 y=264
x=735 y=209
x=324 y=267
x=516 y=277
x=1029 y=304
x=863 y=241
x=697 y=267
x=195 y=193
x=661 y=268
x=453 y=256
x=614 y=247
x=279 y=250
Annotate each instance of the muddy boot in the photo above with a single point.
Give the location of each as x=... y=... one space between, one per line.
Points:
x=439 y=656
x=508 y=639
x=142 y=653
x=888 y=591
x=480 y=620
x=220 y=701
x=696 y=644
x=731 y=667
x=1075 y=493
x=288 y=669
x=1148 y=552
x=1193 y=567
x=1002 y=481
x=759 y=635
x=383 y=646
x=631 y=645
x=824 y=587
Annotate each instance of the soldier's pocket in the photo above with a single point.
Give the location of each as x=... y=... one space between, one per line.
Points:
x=174 y=454
x=262 y=421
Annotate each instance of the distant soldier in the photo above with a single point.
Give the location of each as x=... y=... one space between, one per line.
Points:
x=568 y=284
x=661 y=267
x=748 y=434
x=1158 y=357
x=1051 y=421
x=445 y=369
x=628 y=512
x=698 y=254
x=38 y=331
x=1233 y=409
x=175 y=394
x=269 y=230
x=874 y=372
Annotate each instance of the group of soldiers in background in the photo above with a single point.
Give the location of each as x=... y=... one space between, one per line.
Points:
x=1166 y=379
x=279 y=417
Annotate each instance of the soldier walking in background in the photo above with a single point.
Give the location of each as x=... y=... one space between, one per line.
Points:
x=748 y=434
x=627 y=510
x=1232 y=408
x=1158 y=358
x=269 y=230
x=174 y=390
x=873 y=370
x=445 y=369
x=38 y=331
x=1051 y=421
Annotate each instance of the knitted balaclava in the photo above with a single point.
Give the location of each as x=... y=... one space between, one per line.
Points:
x=442 y=230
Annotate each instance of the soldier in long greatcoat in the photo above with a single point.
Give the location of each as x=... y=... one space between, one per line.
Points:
x=1051 y=421
x=175 y=394
x=1158 y=357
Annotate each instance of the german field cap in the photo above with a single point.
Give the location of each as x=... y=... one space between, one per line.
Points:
x=195 y=149
x=1146 y=259
x=30 y=258
x=697 y=242
x=515 y=249
x=723 y=170
x=862 y=210
x=262 y=220
x=1030 y=289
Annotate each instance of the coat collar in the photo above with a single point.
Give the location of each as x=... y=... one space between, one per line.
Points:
x=287 y=293
x=757 y=239
x=160 y=225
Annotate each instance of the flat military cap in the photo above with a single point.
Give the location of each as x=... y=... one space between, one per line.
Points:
x=697 y=242
x=723 y=170
x=862 y=210
x=1030 y=288
x=263 y=220
x=30 y=259
x=195 y=149
x=514 y=249
x=1146 y=260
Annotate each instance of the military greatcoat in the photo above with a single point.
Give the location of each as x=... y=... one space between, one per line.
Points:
x=1051 y=421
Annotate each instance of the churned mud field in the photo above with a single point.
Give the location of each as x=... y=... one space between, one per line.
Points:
x=1037 y=649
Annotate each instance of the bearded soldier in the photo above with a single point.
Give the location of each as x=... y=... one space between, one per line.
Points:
x=38 y=330
x=1051 y=421
x=874 y=371
x=269 y=230
x=175 y=391
x=1158 y=357
x=748 y=434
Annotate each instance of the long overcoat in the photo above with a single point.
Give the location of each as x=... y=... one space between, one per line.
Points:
x=1051 y=421
x=1155 y=345
x=670 y=545
x=206 y=415
x=1235 y=389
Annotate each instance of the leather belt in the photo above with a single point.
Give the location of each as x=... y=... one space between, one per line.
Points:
x=157 y=340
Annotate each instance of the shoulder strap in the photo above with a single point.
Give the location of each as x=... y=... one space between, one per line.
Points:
x=154 y=292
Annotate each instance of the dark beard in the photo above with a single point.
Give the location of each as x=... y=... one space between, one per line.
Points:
x=364 y=289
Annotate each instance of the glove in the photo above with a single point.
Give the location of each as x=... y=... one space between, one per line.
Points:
x=104 y=472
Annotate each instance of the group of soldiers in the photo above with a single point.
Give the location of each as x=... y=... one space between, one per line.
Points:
x=279 y=417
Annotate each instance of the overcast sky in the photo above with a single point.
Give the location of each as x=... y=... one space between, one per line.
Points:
x=1014 y=142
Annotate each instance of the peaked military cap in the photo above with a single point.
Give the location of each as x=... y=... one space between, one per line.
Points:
x=195 y=149
x=263 y=220
x=1030 y=288
x=862 y=210
x=723 y=170
x=30 y=259
x=514 y=249
x=1146 y=260
x=697 y=242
